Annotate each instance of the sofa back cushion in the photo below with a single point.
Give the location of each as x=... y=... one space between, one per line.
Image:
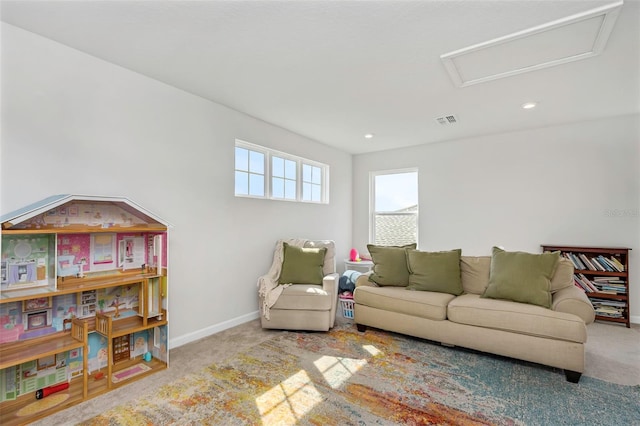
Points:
x=563 y=276
x=474 y=272
x=435 y=271
x=522 y=277
x=390 y=264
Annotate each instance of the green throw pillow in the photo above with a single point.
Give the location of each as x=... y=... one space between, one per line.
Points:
x=302 y=265
x=522 y=277
x=390 y=264
x=435 y=271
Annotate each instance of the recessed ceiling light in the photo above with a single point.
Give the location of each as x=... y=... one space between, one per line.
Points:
x=368 y=136
x=529 y=105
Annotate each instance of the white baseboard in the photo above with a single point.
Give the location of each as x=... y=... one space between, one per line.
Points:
x=208 y=331
x=635 y=319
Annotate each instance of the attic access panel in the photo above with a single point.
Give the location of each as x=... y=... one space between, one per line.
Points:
x=569 y=39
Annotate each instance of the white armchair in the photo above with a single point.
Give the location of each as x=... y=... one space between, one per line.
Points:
x=299 y=306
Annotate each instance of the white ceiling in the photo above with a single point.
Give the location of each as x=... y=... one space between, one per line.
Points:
x=335 y=70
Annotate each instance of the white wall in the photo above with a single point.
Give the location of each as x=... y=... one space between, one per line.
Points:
x=553 y=185
x=75 y=124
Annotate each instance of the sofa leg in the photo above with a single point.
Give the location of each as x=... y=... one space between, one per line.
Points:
x=572 y=376
x=361 y=328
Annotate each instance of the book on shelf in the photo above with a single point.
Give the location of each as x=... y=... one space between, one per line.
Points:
x=582 y=286
x=585 y=283
x=575 y=259
x=615 y=264
x=586 y=262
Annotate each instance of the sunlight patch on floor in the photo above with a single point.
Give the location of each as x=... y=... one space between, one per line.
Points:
x=337 y=371
x=289 y=401
x=372 y=350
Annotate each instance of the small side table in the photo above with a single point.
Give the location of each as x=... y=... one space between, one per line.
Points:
x=361 y=266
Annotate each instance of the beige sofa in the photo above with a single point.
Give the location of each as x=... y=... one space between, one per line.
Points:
x=554 y=337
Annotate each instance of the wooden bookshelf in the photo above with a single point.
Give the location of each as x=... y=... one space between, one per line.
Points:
x=603 y=274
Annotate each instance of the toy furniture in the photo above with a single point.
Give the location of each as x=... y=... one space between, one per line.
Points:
x=66 y=266
x=300 y=305
x=69 y=312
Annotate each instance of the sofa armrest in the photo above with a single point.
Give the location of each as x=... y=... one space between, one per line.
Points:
x=363 y=280
x=572 y=300
x=330 y=283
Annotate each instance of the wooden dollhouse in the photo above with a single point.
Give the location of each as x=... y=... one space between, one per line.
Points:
x=83 y=300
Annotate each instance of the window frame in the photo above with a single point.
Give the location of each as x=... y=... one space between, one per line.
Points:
x=372 y=201
x=268 y=174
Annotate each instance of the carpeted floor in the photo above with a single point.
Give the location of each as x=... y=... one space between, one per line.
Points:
x=349 y=378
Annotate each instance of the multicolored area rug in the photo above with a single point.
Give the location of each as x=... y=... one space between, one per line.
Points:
x=377 y=378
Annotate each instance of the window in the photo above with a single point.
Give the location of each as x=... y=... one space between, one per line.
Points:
x=311 y=183
x=264 y=173
x=394 y=207
x=283 y=178
x=250 y=172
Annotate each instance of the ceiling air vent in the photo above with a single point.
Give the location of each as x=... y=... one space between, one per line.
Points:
x=447 y=119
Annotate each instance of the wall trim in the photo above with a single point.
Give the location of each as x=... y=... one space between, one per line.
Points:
x=635 y=319
x=213 y=329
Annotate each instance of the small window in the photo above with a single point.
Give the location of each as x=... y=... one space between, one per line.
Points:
x=283 y=178
x=394 y=212
x=264 y=173
x=249 y=172
x=311 y=183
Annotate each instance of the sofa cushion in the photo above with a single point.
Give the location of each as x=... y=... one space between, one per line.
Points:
x=474 y=273
x=515 y=317
x=309 y=297
x=390 y=264
x=302 y=265
x=521 y=277
x=423 y=304
x=435 y=271
x=563 y=276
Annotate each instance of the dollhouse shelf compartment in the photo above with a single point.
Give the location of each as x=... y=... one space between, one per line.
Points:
x=29 y=350
x=115 y=327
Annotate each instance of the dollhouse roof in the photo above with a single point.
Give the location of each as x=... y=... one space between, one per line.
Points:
x=75 y=207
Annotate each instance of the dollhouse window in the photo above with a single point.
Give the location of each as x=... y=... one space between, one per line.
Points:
x=103 y=251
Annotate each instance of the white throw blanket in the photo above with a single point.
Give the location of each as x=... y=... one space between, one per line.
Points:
x=268 y=288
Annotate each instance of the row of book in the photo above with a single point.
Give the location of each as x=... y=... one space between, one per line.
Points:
x=609 y=285
x=595 y=263
x=609 y=308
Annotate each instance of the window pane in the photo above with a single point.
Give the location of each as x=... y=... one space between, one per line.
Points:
x=256 y=185
x=242 y=159
x=277 y=165
x=277 y=187
x=290 y=189
x=315 y=195
x=396 y=191
x=316 y=175
x=290 y=169
x=242 y=183
x=306 y=192
x=306 y=173
x=395 y=219
x=396 y=230
x=256 y=162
